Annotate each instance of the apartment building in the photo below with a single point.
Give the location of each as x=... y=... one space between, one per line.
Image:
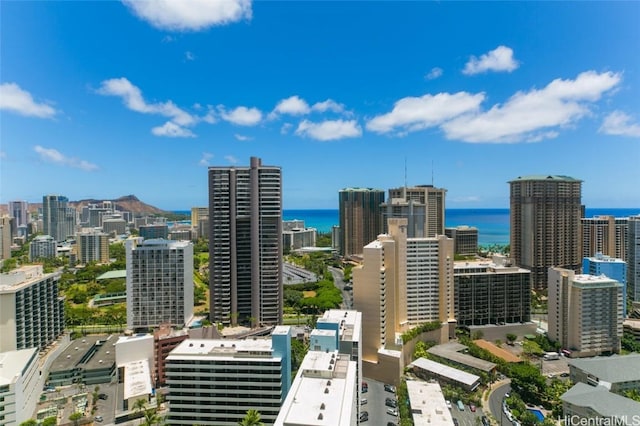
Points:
x=633 y=259
x=545 y=214
x=360 y=218
x=31 y=309
x=58 y=219
x=92 y=246
x=20 y=385
x=465 y=239
x=42 y=247
x=585 y=313
x=423 y=206
x=245 y=244
x=616 y=269
x=215 y=382
x=159 y=283
x=604 y=234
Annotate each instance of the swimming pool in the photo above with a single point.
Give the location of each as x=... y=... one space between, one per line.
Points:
x=537 y=413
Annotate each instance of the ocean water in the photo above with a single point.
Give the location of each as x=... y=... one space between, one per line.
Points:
x=493 y=224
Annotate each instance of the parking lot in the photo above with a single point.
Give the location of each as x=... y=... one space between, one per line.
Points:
x=375 y=405
x=555 y=367
x=466 y=417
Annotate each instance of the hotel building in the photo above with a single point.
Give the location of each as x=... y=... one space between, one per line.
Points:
x=215 y=382
x=93 y=246
x=604 y=234
x=465 y=239
x=585 y=312
x=159 y=283
x=545 y=224
x=360 y=218
x=633 y=259
x=245 y=244
x=31 y=309
x=423 y=206
x=20 y=385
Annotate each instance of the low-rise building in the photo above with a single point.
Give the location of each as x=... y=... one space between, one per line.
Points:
x=427 y=369
x=20 y=385
x=453 y=352
x=428 y=406
x=616 y=373
x=90 y=360
x=595 y=405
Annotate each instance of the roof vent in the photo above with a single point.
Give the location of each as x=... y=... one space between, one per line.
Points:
x=320 y=416
x=326 y=390
x=190 y=345
x=328 y=382
x=322 y=406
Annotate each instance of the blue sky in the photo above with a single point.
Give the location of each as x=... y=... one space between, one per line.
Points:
x=104 y=99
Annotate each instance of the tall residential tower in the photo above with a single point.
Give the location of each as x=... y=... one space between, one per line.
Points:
x=58 y=219
x=245 y=243
x=545 y=224
x=360 y=218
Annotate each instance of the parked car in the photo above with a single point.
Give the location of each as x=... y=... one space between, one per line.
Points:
x=472 y=407
x=98 y=419
x=390 y=402
x=392 y=411
x=391 y=424
x=448 y=404
x=455 y=422
x=485 y=421
x=390 y=388
x=363 y=401
x=103 y=396
x=364 y=416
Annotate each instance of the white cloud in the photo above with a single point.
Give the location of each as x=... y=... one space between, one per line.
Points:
x=411 y=113
x=329 y=129
x=621 y=124
x=434 y=73
x=189 y=56
x=328 y=105
x=13 y=98
x=190 y=15
x=204 y=161
x=241 y=115
x=499 y=59
x=293 y=105
x=51 y=155
x=210 y=116
x=132 y=98
x=242 y=137
x=231 y=159
x=285 y=128
x=534 y=115
x=172 y=130
x=168 y=39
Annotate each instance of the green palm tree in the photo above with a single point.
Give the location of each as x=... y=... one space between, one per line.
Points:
x=139 y=405
x=252 y=418
x=151 y=418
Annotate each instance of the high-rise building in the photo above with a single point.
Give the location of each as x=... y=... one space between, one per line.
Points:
x=154 y=231
x=42 y=247
x=402 y=283
x=545 y=224
x=360 y=218
x=58 y=219
x=5 y=237
x=616 y=269
x=295 y=235
x=215 y=382
x=465 y=239
x=585 y=312
x=633 y=259
x=604 y=234
x=159 y=283
x=19 y=211
x=21 y=383
x=245 y=243
x=200 y=221
x=491 y=293
x=423 y=206
x=93 y=246
x=31 y=310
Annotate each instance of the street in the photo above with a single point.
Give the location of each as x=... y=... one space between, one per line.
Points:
x=495 y=403
x=338 y=281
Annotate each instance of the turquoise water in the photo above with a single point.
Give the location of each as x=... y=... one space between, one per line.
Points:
x=537 y=413
x=493 y=224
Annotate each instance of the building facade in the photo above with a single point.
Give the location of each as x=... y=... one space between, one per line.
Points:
x=215 y=382
x=93 y=246
x=585 y=313
x=360 y=218
x=465 y=239
x=159 y=283
x=245 y=244
x=19 y=210
x=31 y=309
x=5 y=237
x=20 y=385
x=423 y=206
x=58 y=219
x=154 y=231
x=616 y=269
x=633 y=258
x=604 y=234
x=491 y=293
x=545 y=224
x=42 y=247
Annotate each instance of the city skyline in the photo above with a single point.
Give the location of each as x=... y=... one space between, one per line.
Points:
x=99 y=96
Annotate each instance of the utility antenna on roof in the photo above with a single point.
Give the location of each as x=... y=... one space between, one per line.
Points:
x=431 y=172
x=405 y=172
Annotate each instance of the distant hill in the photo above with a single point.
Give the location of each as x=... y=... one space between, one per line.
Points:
x=127 y=203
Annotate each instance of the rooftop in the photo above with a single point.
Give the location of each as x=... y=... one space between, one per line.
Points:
x=600 y=400
x=92 y=351
x=445 y=371
x=23 y=277
x=611 y=369
x=428 y=407
x=224 y=348
x=559 y=178
x=113 y=274
x=137 y=379
x=13 y=363
x=451 y=351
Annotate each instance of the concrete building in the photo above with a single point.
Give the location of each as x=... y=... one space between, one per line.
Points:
x=335 y=238
x=633 y=259
x=428 y=406
x=455 y=353
x=245 y=244
x=5 y=237
x=154 y=231
x=615 y=373
x=427 y=369
x=324 y=392
x=42 y=247
x=19 y=210
x=402 y=283
x=604 y=234
x=616 y=269
x=89 y=360
x=545 y=214
x=491 y=293
x=589 y=405
x=360 y=218
x=423 y=206
x=215 y=382
x=165 y=339
x=159 y=283
x=465 y=239
x=181 y=234
x=58 y=219
x=115 y=226
x=92 y=246
x=31 y=310
x=20 y=385
x=135 y=360
x=198 y=213
x=296 y=236
x=585 y=312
